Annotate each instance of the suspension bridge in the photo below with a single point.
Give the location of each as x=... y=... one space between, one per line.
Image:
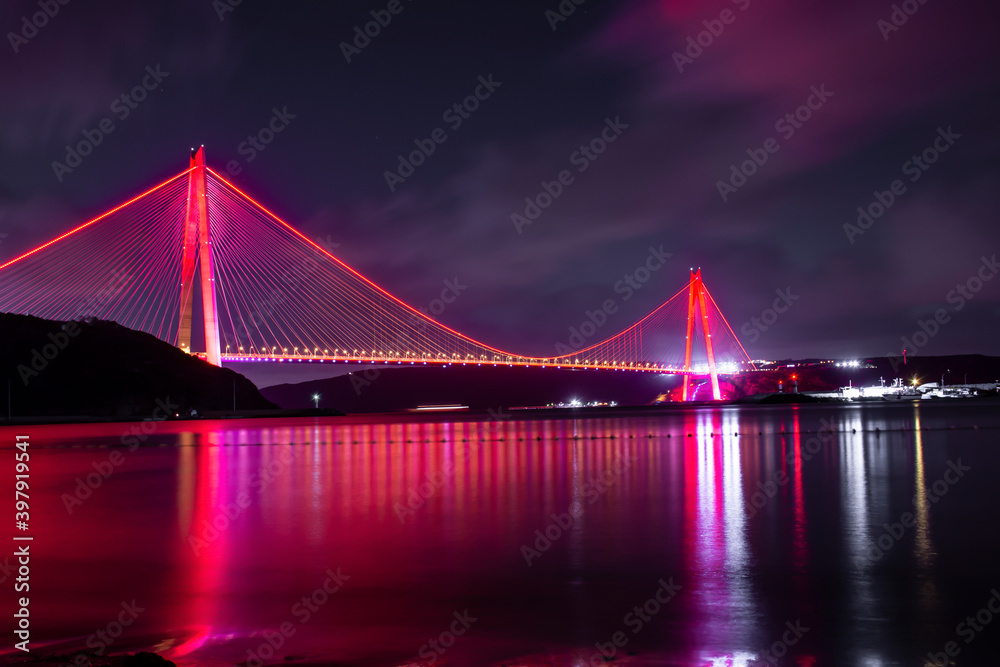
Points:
x=197 y=245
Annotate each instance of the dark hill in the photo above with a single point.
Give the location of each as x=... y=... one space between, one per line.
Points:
x=103 y=370
x=405 y=387
x=818 y=375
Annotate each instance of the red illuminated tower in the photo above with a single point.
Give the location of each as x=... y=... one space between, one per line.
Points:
x=198 y=250
x=696 y=300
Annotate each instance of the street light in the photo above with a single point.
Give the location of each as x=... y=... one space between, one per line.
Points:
x=315 y=399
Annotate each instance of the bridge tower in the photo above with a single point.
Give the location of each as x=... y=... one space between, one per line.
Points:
x=696 y=301
x=198 y=251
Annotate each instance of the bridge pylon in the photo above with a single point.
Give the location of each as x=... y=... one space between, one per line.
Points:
x=198 y=251
x=696 y=302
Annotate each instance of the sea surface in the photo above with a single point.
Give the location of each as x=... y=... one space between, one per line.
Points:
x=862 y=534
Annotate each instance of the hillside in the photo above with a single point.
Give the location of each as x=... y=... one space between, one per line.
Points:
x=481 y=388
x=103 y=370
x=406 y=387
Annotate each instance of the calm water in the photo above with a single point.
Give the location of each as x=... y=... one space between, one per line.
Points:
x=360 y=541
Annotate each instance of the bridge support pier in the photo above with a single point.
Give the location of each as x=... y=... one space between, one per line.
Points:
x=198 y=250
x=696 y=300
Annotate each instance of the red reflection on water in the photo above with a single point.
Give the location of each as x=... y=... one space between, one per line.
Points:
x=799 y=547
x=427 y=517
x=201 y=561
x=715 y=516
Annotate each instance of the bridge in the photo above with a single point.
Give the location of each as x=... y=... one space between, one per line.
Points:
x=197 y=244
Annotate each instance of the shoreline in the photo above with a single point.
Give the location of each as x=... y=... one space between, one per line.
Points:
x=493 y=414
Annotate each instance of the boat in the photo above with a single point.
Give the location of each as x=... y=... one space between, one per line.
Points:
x=898 y=391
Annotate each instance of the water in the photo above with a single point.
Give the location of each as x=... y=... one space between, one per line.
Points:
x=532 y=541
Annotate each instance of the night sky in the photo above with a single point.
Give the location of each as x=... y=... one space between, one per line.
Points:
x=680 y=113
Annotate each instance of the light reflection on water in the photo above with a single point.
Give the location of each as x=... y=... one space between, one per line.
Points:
x=221 y=527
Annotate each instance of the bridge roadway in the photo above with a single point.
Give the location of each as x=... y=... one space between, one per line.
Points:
x=498 y=360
